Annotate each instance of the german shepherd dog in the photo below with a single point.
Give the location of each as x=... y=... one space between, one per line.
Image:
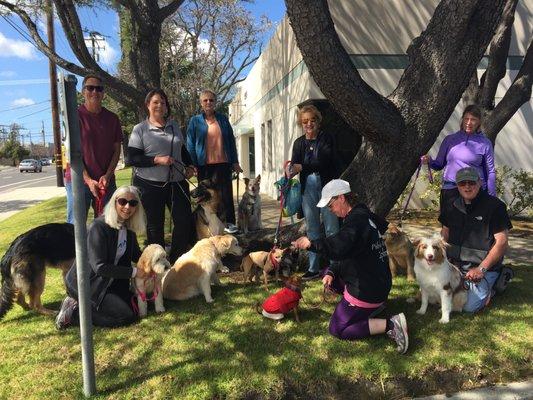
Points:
x=205 y=216
x=23 y=266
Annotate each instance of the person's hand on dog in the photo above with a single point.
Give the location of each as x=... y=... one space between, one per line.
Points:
x=474 y=275
x=302 y=243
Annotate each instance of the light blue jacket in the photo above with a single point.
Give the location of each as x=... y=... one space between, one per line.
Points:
x=196 y=137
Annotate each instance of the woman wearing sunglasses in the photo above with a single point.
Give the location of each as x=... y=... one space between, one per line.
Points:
x=157 y=149
x=111 y=247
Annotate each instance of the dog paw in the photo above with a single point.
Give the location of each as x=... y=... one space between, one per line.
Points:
x=142 y=314
x=410 y=300
x=209 y=300
x=444 y=320
x=420 y=311
x=224 y=269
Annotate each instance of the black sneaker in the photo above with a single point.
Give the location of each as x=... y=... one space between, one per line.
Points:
x=64 y=317
x=399 y=333
x=310 y=276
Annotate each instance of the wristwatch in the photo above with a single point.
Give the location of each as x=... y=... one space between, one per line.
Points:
x=483 y=270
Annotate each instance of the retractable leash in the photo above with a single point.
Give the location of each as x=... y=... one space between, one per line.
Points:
x=430 y=178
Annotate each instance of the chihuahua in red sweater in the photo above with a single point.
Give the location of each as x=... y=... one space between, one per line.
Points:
x=283 y=301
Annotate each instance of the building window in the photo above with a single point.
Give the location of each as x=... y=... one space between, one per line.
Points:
x=270 y=144
x=263 y=147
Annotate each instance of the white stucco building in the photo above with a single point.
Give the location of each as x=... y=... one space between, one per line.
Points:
x=376 y=34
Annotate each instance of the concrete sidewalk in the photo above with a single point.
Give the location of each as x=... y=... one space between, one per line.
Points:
x=16 y=200
x=510 y=391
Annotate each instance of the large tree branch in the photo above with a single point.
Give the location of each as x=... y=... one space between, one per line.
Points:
x=499 y=49
x=442 y=61
x=361 y=106
x=518 y=94
x=169 y=9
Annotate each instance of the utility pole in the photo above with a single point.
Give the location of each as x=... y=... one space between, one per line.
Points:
x=42 y=132
x=53 y=95
x=93 y=41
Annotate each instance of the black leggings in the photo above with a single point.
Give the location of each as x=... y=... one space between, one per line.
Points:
x=155 y=196
x=221 y=175
x=112 y=312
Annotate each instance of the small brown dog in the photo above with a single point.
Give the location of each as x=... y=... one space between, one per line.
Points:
x=283 y=301
x=256 y=261
x=400 y=250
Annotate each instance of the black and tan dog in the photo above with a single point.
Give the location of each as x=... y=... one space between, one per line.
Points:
x=249 y=210
x=206 y=220
x=23 y=267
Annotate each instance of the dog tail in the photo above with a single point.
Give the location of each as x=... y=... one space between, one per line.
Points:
x=7 y=292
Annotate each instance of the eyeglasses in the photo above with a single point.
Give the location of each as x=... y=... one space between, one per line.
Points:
x=467 y=183
x=330 y=203
x=122 y=202
x=208 y=100
x=92 y=88
x=308 y=121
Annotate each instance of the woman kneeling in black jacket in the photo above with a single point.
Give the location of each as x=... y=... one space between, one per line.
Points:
x=112 y=246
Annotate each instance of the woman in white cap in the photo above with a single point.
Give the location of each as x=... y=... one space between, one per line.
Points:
x=361 y=273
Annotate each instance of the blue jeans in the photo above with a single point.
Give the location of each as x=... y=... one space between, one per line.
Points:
x=90 y=200
x=312 y=214
x=478 y=293
x=70 y=202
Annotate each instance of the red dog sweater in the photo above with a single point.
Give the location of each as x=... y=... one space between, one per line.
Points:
x=283 y=301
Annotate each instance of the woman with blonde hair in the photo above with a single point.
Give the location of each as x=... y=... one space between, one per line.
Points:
x=111 y=247
x=313 y=157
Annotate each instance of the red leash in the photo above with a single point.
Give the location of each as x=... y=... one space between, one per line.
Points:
x=99 y=201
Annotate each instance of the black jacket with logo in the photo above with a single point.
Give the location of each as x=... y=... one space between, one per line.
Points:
x=102 y=243
x=362 y=255
x=472 y=227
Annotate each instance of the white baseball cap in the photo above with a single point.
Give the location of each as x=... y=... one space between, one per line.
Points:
x=333 y=188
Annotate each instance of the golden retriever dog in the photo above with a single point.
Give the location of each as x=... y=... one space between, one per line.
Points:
x=256 y=261
x=440 y=282
x=205 y=215
x=23 y=266
x=193 y=273
x=401 y=251
x=150 y=270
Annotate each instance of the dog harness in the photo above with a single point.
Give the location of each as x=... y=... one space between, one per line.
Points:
x=142 y=295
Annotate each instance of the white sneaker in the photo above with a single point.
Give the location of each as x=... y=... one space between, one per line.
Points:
x=231 y=228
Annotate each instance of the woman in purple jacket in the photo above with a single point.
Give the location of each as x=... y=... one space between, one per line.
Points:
x=469 y=147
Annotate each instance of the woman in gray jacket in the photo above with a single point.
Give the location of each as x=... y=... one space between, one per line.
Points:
x=111 y=246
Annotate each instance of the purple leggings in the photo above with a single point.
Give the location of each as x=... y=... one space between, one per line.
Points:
x=349 y=322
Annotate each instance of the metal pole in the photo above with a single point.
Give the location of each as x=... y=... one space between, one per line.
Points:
x=80 y=231
x=53 y=96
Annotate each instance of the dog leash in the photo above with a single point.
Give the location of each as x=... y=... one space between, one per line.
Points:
x=323 y=298
x=430 y=178
x=99 y=201
x=281 y=201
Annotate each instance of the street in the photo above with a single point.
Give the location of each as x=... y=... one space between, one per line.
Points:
x=21 y=190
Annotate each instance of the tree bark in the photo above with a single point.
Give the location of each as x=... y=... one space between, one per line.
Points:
x=399 y=129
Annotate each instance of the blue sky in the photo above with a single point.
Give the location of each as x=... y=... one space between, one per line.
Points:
x=24 y=87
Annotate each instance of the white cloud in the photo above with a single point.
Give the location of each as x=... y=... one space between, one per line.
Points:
x=23 y=101
x=108 y=56
x=7 y=74
x=16 y=48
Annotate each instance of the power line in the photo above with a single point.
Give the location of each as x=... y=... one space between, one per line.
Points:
x=33 y=113
x=27 y=105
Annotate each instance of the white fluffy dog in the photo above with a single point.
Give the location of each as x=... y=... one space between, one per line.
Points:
x=440 y=282
x=193 y=273
x=150 y=270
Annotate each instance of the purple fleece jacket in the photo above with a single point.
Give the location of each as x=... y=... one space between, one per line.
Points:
x=460 y=150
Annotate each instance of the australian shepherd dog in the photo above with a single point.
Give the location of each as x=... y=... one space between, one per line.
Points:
x=440 y=282
x=206 y=220
x=23 y=266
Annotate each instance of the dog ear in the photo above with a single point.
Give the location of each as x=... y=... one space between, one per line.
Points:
x=258 y=178
x=416 y=244
x=144 y=260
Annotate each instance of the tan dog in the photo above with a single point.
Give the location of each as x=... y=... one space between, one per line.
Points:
x=256 y=261
x=400 y=250
x=440 y=282
x=150 y=270
x=194 y=271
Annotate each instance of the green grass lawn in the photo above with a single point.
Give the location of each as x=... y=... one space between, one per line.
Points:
x=225 y=350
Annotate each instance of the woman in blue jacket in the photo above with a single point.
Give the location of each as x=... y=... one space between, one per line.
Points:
x=212 y=147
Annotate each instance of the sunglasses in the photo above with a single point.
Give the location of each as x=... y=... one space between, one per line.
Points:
x=208 y=100
x=122 y=202
x=330 y=203
x=92 y=88
x=467 y=183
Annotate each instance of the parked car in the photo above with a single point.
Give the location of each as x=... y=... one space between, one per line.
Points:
x=45 y=161
x=30 y=165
